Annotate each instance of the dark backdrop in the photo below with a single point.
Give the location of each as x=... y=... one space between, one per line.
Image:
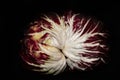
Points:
x=16 y=15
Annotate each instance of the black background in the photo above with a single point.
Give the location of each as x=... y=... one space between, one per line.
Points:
x=16 y=15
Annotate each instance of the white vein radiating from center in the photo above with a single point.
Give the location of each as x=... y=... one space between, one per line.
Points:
x=70 y=42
